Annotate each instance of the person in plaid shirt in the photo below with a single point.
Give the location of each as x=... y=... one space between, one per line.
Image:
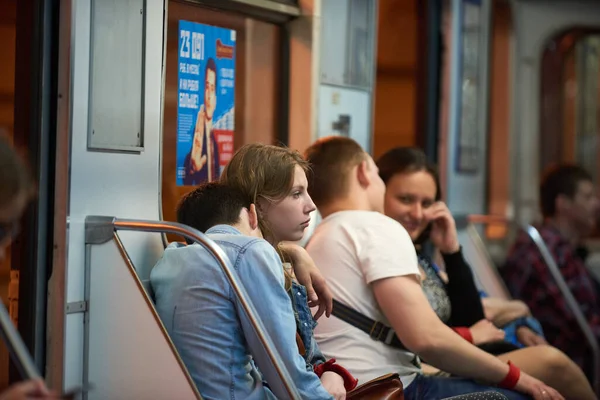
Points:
x=569 y=206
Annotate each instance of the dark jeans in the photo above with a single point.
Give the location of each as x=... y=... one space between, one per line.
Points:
x=433 y=387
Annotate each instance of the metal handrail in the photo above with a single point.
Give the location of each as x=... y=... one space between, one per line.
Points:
x=16 y=347
x=482 y=250
x=100 y=229
x=537 y=239
x=488 y=219
x=569 y=298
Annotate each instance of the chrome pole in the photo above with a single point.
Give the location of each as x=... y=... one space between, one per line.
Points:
x=569 y=298
x=17 y=349
x=537 y=239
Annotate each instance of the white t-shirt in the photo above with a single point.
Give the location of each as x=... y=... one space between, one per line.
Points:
x=353 y=249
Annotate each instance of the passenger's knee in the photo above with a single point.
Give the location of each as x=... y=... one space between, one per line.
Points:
x=554 y=360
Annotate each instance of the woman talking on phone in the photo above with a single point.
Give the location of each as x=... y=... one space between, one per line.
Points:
x=413 y=198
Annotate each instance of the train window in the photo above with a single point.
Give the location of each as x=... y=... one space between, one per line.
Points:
x=116 y=109
x=211 y=108
x=570 y=100
x=355 y=18
x=587 y=56
x=570 y=106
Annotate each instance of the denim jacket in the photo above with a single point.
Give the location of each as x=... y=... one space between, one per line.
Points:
x=305 y=325
x=209 y=328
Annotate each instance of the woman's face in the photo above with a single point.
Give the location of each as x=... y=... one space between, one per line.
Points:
x=407 y=196
x=289 y=217
x=9 y=219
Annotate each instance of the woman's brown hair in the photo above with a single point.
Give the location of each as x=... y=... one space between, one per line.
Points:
x=263 y=171
x=267 y=172
x=402 y=160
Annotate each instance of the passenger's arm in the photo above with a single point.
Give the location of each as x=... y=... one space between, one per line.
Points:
x=464 y=297
x=527 y=337
x=27 y=390
x=485 y=332
x=261 y=273
x=501 y=311
x=334 y=384
x=418 y=327
x=461 y=288
x=311 y=278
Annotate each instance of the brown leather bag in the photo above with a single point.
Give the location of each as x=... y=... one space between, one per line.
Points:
x=385 y=387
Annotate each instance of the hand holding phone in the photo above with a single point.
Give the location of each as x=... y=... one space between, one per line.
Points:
x=443 y=228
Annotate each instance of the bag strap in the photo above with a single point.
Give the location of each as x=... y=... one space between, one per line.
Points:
x=375 y=329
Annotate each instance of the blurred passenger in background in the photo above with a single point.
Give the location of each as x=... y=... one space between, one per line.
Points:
x=569 y=205
x=413 y=198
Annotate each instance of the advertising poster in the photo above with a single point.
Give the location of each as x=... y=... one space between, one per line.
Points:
x=205 y=109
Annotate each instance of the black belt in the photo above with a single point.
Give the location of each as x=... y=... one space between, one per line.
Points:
x=375 y=329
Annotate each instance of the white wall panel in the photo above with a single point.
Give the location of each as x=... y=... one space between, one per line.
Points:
x=335 y=102
x=102 y=183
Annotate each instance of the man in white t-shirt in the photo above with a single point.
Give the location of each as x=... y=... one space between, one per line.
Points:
x=371 y=267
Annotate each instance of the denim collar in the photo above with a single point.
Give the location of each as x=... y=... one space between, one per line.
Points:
x=223 y=228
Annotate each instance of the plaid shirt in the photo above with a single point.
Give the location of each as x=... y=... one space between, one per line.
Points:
x=529 y=279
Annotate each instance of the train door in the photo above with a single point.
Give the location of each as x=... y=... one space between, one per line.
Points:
x=132 y=78
x=27 y=103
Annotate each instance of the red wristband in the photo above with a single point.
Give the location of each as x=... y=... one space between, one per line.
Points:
x=350 y=382
x=511 y=379
x=465 y=333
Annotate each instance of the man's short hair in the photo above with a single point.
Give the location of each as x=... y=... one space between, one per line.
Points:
x=211 y=204
x=331 y=159
x=560 y=180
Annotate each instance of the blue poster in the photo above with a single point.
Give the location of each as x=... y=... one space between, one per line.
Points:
x=205 y=109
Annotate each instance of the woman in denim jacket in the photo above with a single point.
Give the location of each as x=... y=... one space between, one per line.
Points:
x=274 y=180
